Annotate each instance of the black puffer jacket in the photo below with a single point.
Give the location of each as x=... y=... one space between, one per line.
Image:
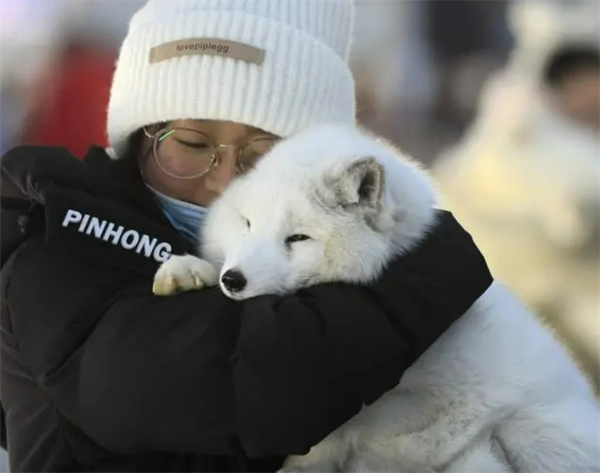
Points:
x=100 y=375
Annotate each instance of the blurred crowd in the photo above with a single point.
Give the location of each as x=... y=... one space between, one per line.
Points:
x=500 y=98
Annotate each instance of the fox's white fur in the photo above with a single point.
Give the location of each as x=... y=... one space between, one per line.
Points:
x=496 y=393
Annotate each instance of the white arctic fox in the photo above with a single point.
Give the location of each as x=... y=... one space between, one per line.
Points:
x=496 y=393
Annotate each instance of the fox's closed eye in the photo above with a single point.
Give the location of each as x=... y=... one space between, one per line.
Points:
x=247 y=223
x=295 y=238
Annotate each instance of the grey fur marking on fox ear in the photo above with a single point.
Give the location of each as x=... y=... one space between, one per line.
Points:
x=360 y=185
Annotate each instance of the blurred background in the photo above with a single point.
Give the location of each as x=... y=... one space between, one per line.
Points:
x=499 y=98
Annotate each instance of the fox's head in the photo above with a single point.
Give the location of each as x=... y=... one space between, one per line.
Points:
x=330 y=204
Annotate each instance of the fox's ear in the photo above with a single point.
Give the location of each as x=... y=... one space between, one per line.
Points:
x=359 y=185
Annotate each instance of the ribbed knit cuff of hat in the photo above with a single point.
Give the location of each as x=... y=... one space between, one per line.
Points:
x=300 y=81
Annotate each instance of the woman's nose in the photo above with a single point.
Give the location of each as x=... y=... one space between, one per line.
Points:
x=225 y=171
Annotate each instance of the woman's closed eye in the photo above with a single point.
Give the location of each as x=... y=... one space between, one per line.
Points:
x=192 y=145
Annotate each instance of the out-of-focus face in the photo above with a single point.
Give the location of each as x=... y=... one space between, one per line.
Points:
x=578 y=97
x=195 y=160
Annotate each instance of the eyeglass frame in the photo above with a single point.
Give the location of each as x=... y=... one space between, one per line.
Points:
x=215 y=157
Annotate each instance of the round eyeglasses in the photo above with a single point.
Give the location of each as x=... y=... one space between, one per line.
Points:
x=185 y=153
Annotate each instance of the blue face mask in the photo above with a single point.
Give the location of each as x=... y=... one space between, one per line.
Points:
x=185 y=217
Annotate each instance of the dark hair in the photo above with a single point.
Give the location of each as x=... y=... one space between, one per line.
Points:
x=134 y=145
x=136 y=140
x=568 y=59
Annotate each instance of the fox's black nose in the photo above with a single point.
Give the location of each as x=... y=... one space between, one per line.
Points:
x=233 y=280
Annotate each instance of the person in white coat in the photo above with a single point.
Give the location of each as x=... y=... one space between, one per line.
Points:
x=524 y=179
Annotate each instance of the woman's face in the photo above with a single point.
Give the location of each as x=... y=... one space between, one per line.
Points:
x=578 y=97
x=190 y=163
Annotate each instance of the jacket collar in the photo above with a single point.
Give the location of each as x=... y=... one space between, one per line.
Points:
x=127 y=174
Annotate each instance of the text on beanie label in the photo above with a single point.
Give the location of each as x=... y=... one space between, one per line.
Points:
x=207 y=46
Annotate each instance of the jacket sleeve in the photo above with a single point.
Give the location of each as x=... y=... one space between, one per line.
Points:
x=200 y=373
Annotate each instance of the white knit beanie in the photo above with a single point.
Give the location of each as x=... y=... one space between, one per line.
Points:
x=278 y=65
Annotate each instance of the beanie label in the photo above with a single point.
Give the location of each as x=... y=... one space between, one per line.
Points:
x=207 y=46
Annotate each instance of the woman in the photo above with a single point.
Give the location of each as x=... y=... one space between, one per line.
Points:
x=98 y=374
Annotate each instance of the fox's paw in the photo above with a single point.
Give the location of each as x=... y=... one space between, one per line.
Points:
x=183 y=273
